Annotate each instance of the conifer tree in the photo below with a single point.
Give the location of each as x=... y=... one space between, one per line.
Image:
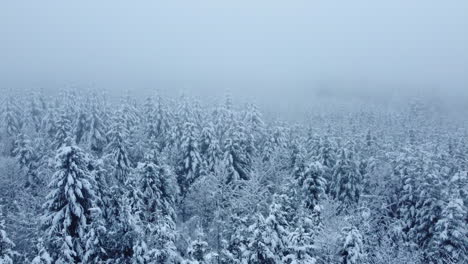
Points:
x=43 y=257
x=300 y=242
x=190 y=160
x=156 y=198
x=23 y=151
x=68 y=205
x=346 y=181
x=81 y=125
x=96 y=136
x=209 y=147
x=198 y=248
x=118 y=150
x=94 y=238
x=35 y=113
x=63 y=130
x=11 y=118
x=428 y=209
x=165 y=251
x=6 y=246
x=352 y=247
x=408 y=197
x=450 y=242
x=265 y=246
x=312 y=184
x=238 y=155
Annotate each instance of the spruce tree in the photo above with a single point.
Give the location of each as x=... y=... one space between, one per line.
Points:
x=238 y=154
x=300 y=242
x=346 y=181
x=43 y=257
x=428 y=209
x=97 y=139
x=117 y=149
x=6 y=246
x=352 y=247
x=198 y=248
x=190 y=160
x=63 y=130
x=265 y=245
x=209 y=147
x=313 y=185
x=68 y=205
x=450 y=242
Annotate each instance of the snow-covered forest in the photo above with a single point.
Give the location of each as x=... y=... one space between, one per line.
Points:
x=88 y=179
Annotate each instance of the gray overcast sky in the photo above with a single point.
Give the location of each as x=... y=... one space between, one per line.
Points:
x=245 y=46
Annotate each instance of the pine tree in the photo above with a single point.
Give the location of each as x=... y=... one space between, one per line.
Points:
x=6 y=246
x=352 y=248
x=68 y=205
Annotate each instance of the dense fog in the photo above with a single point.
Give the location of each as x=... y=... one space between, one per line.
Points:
x=234 y=132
